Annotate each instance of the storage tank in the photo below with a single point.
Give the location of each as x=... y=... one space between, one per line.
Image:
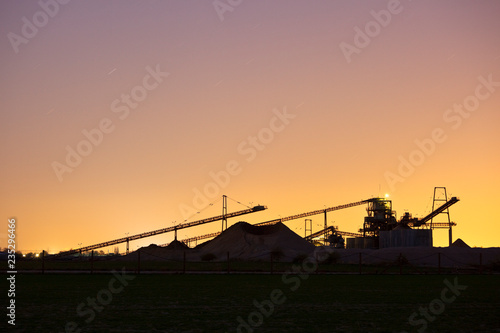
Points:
x=400 y=237
x=369 y=243
x=350 y=243
x=359 y=242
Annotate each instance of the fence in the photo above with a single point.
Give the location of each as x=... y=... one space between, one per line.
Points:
x=349 y=262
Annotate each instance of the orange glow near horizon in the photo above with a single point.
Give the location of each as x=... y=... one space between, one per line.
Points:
x=129 y=117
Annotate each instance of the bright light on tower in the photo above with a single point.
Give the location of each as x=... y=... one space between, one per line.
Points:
x=387 y=195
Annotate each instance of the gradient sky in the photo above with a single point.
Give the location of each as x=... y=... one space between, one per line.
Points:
x=351 y=121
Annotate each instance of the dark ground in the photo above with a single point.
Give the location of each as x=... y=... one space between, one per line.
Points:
x=213 y=303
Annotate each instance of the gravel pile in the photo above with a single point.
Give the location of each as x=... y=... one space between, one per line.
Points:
x=243 y=241
x=248 y=242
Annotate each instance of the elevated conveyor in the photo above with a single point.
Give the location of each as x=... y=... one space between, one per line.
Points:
x=162 y=231
x=436 y=212
x=289 y=218
x=314 y=212
x=331 y=229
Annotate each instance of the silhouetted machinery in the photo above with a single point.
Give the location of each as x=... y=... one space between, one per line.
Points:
x=336 y=241
x=163 y=230
x=380 y=217
x=380 y=228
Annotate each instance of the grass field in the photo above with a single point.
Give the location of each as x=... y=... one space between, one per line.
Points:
x=213 y=303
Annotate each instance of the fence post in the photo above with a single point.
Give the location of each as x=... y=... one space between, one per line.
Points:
x=400 y=263
x=480 y=263
x=272 y=259
x=184 y=263
x=439 y=262
x=360 y=261
x=139 y=261
x=43 y=261
x=92 y=262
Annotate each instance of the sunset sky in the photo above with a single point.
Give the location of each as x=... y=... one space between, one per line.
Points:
x=116 y=116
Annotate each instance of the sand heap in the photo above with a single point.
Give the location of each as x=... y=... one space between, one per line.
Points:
x=177 y=245
x=460 y=243
x=147 y=253
x=242 y=240
x=249 y=242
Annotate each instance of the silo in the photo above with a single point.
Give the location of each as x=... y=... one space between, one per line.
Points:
x=359 y=242
x=401 y=237
x=384 y=239
x=369 y=243
x=350 y=243
x=423 y=237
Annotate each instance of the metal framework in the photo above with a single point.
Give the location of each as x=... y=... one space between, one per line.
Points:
x=435 y=225
x=289 y=218
x=443 y=209
x=314 y=212
x=189 y=240
x=308 y=227
x=224 y=212
x=380 y=217
x=163 y=230
x=330 y=230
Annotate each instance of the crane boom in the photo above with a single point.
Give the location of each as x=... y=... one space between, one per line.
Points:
x=163 y=230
